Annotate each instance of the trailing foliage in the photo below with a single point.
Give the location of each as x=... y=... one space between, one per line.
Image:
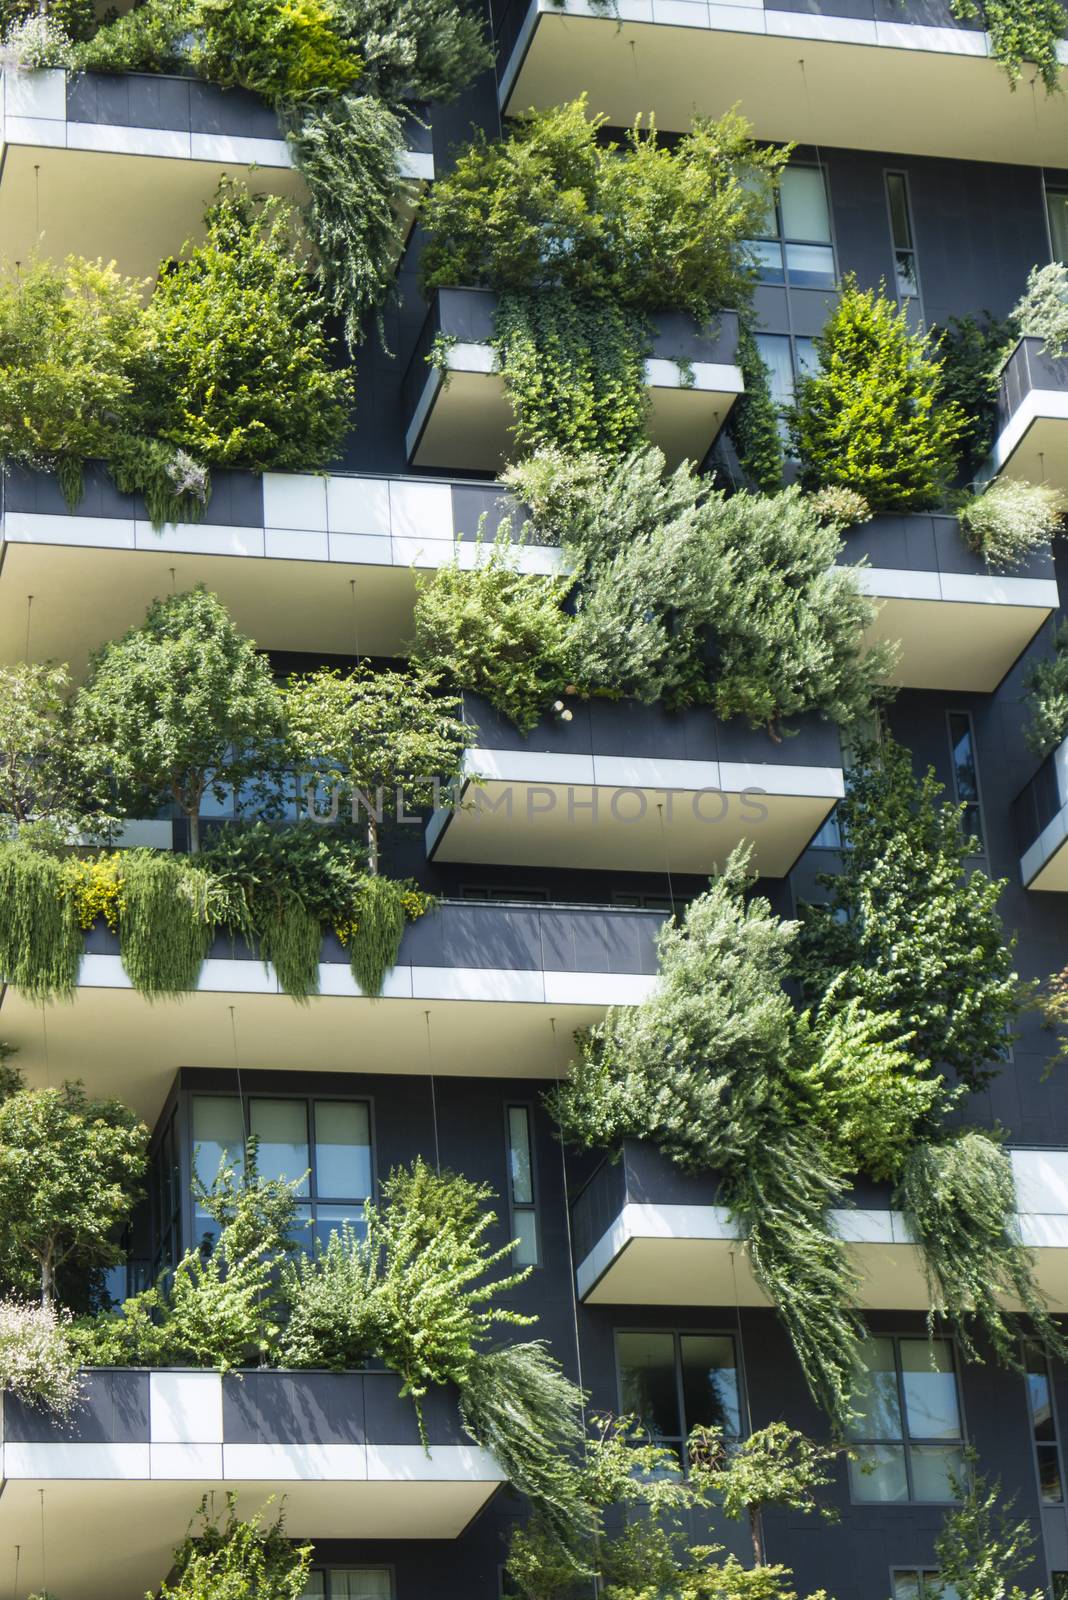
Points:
x=687 y=596
x=238 y=365
x=181 y=706
x=238 y=1560
x=574 y=371
x=165 y=923
x=959 y=1201
x=495 y=630
x=348 y=150
x=38 y=1363
x=873 y=416
x=972 y=352
x=910 y=928
x=70 y=1171
x=700 y=1069
x=1010 y=519
x=553 y=206
x=753 y=420
x=1047 y=697
x=981 y=1551
x=40 y=940
x=374 y=933
x=1042 y=310
x=417 y=49
x=1020 y=31
x=516 y=1403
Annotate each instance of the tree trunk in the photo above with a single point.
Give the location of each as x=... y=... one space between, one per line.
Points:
x=194 y=832
x=47 y=1280
x=372 y=843
x=756 y=1529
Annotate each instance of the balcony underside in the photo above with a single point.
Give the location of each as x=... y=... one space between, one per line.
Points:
x=633 y=822
x=288 y=590
x=666 y=1255
x=480 y=1017
x=465 y=423
x=113 y=1539
x=1044 y=866
x=966 y=645
x=131 y=209
x=828 y=80
x=1034 y=445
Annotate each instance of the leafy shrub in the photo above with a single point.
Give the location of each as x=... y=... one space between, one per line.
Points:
x=551 y=206
x=1021 y=31
x=74 y=18
x=40 y=779
x=909 y=927
x=417 y=49
x=980 y=1550
x=238 y=1560
x=1010 y=519
x=871 y=417
x=71 y=346
x=959 y=1200
x=1047 y=693
x=332 y=1313
x=32 y=42
x=573 y=369
x=152 y=37
x=239 y=367
x=495 y=630
x=685 y=595
x=1042 y=310
x=840 y=508
x=281 y=49
x=972 y=352
x=38 y=1363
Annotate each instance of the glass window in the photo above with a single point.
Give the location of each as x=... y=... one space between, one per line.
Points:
x=218 y=1136
x=677 y=1382
x=966 y=774
x=787 y=359
x=912 y=1584
x=907 y=1431
x=796 y=246
x=897 y=198
x=342 y=1148
x=1043 y=1413
x=281 y=1127
x=1057 y=211
x=349 y=1583
x=521 y=1186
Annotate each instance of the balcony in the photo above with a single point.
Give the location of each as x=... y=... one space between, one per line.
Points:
x=647 y=1234
x=505 y=986
x=630 y=787
x=832 y=72
x=1040 y=818
x=463 y=422
x=304 y=562
x=122 y=166
x=1032 y=422
x=122 y=1480
x=961 y=627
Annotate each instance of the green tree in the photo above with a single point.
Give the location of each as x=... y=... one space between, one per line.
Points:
x=982 y=1551
x=873 y=416
x=180 y=706
x=71 y=347
x=775 y=1466
x=238 y=366
x=70 y=1170
x=1047 y=697
x=375 y=738
x=237 y=1560
x=910 y=927
x=40 y=778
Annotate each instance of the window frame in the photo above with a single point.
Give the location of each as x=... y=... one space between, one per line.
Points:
x=907 y=1441
x=308 y=1097
x=677 y=1333
x=533 y=1206
x=388 y=1567
x=781 y=238
x=980 y=809
x=1060 y=189
x=1031 y=1352
x=922 y=1573
x=913 y=248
